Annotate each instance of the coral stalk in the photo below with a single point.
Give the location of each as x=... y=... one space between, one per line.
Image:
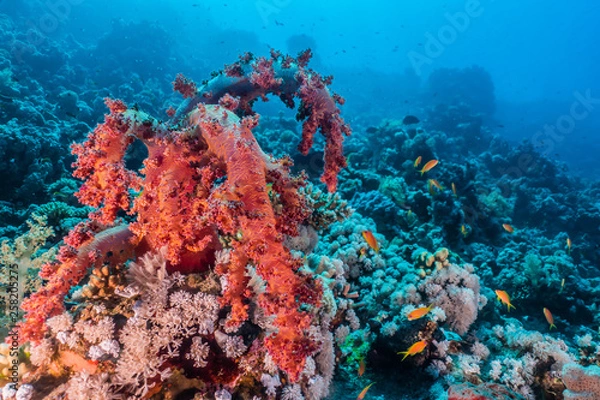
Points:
x=288 y=78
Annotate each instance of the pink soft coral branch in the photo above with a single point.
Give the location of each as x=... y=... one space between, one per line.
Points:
x=289 y=78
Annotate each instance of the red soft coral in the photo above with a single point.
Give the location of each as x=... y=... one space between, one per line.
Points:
x=261 y=243
x=288 y=78
x=205 y=183
x=86 y=246
x=100 y=163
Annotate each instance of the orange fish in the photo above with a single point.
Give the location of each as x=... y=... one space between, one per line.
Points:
x=430 y=187
x=417 y=161
x=508 y=228
x=436 y=184
x=569 y=246
x=454 y=189
x=362 y=394
x=463 y=230
x=419 y=313
x=371 y=241
x=549 y=318
x=414 y=349
x=430 y=164
x=361 y=367
x=504 y=298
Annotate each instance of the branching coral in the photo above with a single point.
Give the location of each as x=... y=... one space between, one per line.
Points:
x=456 y=291
x=205 y=195
x=288 y=78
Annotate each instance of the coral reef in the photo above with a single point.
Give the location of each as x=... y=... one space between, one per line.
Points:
x=27 y=255
x=196 y=254
x=218 y=209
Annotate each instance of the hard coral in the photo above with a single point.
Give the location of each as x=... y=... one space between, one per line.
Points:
x=581 y=382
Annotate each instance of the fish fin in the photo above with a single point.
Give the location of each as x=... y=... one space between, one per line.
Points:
x=509 y=306
x=552 y=326
x=405 y=354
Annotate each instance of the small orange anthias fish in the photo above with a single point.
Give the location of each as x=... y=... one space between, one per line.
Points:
x=508 y=228
x=371 y=241
x=549 y=318
x=430 y=188
x=436 y=184
x=430 y=164
x=569 y=245
x=453 y=189
x=504 y=298
x=417 y=161
x=419 y=313
x=414 y=349
x=362 y=365
x=362 y=394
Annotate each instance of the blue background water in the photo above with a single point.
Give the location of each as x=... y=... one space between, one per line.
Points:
x=538 y=54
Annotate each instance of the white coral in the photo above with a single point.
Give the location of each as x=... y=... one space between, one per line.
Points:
x=270 y=383
x=106 y=347
x=222 y=394
x=233 y=346
x=456 y=291
x=198 y=352
x=341 y=333
x=41 y=353
x=150 y=271
x=60 y=323
x=96 y=332
x=292 y=392
x=468 y=365
x=352 y=318
x=584 y=341
x=25 y=392
x=83 y=386
x=269 y=364
x=496 y=370
x=480 y=350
